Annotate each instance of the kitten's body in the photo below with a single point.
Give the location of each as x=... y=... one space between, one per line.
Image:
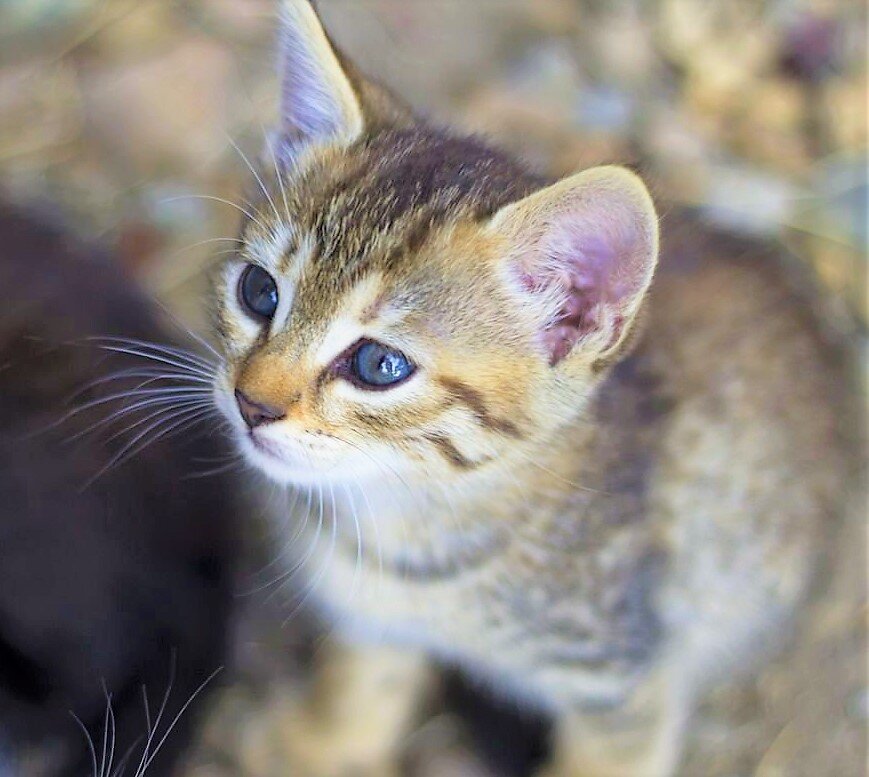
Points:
x=680 y=513
x=596 y=509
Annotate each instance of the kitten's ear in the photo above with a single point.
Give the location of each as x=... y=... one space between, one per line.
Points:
x=318 y=101
x=580 y=254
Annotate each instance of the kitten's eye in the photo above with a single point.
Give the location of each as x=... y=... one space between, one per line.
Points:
x=376 y=366
x=258 y=292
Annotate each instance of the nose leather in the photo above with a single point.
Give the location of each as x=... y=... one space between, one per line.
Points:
x=255 y=413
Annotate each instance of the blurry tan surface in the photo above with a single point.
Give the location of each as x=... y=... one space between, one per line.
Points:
x=122 y=111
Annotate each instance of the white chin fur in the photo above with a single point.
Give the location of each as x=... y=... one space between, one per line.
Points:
x=277 y=469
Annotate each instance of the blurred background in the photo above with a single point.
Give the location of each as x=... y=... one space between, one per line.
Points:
x=124 y=113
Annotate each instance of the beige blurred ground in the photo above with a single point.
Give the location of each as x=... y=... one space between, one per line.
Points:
x=122 y=112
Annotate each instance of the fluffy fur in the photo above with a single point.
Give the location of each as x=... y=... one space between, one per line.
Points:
x=594 y=496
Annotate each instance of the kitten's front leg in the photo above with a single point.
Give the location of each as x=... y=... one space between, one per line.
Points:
x=358 y=710
x=642 y=738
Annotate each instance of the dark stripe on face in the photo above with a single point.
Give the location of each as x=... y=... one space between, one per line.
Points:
x=449 y=451
x=473 y=400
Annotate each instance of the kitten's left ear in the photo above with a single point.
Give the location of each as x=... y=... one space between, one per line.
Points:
x=319 y=103
x=580 y=255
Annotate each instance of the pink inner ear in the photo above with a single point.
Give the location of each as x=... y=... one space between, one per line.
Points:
x=596 y=271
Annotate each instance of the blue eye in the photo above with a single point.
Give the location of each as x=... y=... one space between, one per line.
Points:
x=258 y=292
x=376 y=366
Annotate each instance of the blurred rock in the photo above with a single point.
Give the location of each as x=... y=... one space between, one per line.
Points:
x=157 y=114
x=27 y=16
x=40 y=112
x=844 y=103
x=811 y=47
x=748 y=200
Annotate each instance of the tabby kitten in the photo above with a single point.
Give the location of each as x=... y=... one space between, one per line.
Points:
x=518 y=454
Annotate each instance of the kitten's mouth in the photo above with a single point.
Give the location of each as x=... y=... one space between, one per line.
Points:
x=273 y=451
x=267 y=447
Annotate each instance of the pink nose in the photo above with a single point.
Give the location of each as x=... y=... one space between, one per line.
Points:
x=254 y=413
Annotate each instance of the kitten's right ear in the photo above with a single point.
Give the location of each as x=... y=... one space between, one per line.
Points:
x=580 y=255
x=319 y=104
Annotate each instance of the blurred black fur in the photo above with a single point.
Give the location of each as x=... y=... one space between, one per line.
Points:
x=109 y=586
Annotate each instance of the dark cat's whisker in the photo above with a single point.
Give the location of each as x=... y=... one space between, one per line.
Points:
x=214 y=472
x=109 y=734
x=88 y=738
x=153 y=728
x=121 y=767
x=171 y=727
x=165 y=348
x=103 y=764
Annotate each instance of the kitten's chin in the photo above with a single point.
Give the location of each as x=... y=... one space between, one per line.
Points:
x=275 y=463
x=281 y=465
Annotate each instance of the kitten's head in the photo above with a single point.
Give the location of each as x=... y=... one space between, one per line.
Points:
x=410 y=300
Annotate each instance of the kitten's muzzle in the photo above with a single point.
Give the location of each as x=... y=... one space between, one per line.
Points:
x=256 y=413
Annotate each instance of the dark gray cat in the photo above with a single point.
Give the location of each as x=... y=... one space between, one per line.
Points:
x=110 y=589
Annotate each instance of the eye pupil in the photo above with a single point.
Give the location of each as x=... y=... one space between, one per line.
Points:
x=376 y=366
x=258 y=292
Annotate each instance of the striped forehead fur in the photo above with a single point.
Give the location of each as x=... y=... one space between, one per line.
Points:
x=377 y=201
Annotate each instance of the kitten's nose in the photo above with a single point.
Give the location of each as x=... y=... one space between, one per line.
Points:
x=254 y=413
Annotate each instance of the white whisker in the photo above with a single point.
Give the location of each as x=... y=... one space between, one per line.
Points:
x=278 y=175
x=91 y=748
x=175 y=720
x=312 y=587
x=212 y=198
x=182 y=358
x=255 y=174
x=191 y=334
x=152 y=729
x=188 y=416
x=152 y=375
x=191 y=404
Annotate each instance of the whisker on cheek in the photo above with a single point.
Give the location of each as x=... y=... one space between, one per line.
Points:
x=166 y=427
